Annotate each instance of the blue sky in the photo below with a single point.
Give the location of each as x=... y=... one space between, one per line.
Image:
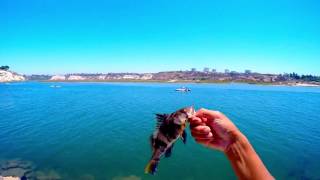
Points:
x=58 y=36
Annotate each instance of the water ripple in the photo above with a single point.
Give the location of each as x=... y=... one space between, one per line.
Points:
x=102 y=129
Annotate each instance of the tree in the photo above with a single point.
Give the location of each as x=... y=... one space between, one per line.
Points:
x=4 y=68
x=294 y=75
x=310 y=78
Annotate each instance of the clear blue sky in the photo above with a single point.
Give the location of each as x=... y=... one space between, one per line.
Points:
x=68 y=36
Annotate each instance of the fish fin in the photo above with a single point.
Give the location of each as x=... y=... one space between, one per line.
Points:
x=168 y=152
x=151 y=139
x=184 y=136
x=151 y=167
x=161 y=118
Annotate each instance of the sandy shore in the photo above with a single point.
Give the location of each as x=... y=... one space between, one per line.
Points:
x=306 y=85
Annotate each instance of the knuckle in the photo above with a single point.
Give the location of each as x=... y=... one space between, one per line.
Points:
x=203 y=110
x=218 y=113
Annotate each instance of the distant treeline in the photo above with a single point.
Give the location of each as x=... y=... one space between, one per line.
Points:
x=295 y=76
x=6 y=68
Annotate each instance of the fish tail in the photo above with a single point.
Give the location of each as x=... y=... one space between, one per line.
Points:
x=151 y=167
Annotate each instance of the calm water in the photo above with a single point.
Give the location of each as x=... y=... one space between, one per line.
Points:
x=100 y=130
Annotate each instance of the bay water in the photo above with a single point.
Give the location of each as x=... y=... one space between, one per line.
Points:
x=101 y=130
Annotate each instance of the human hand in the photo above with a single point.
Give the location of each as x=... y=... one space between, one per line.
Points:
x=213 y=129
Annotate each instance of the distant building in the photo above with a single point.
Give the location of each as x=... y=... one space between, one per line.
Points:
x=214 y=70
x=193 y=69
x=128 y=76
x=226 y=71
x=206 y=69
x=247 y=71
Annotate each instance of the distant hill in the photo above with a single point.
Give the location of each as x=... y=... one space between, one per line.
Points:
x=190 y=76
x=9 y=76
x=172 y=76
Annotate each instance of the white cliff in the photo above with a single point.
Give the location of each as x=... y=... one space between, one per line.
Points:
x=146 y=77
x=8 y=76
x=102 y=77
x=57 y=78
x=76 y=78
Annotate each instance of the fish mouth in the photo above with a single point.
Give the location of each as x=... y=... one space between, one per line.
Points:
x=190 y=111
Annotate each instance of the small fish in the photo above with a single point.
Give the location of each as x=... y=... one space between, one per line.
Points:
x=169 y=128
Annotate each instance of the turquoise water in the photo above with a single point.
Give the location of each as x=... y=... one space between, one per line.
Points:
x=100 y=130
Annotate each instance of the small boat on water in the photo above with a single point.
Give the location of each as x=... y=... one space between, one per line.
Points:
x=183 y=89
x=55 y=86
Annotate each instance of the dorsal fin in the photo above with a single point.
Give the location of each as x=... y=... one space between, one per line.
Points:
x=161 y=118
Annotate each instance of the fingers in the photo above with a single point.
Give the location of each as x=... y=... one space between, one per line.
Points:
x=209 y=114
x=203 y=136
x=195 y=121
x=201 y=129
x=201 y=132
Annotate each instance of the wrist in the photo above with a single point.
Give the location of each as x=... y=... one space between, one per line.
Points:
x=245 y=160
x=238 y=141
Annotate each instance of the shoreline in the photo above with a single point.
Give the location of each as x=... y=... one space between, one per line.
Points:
x=178 y=82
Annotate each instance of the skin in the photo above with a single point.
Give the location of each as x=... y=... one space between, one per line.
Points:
x=214 y=130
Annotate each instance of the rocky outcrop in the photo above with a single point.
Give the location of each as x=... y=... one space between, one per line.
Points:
x=17 y=168
x=47 y=175
x=9 y=178
x=8 y=76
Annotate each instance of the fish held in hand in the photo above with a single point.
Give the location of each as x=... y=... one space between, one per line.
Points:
x=169 y=128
